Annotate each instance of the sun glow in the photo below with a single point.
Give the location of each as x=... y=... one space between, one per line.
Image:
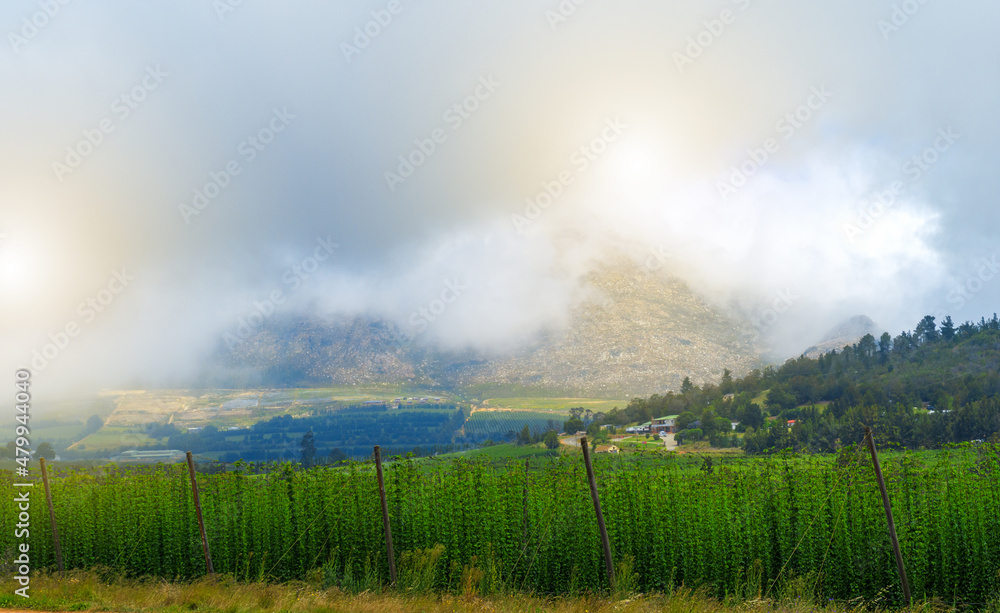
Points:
x=20 y=269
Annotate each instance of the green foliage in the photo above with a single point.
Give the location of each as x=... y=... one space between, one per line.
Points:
x=809 y=528
x=419 y=570
x=689 y=435
x=685 y=419
x=308 y=446
x=551 y=440
x=922 y=390
x=94 y=423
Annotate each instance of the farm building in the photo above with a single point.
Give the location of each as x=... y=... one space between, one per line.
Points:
x=640 y=429
x=606 y=449
x=662 y=425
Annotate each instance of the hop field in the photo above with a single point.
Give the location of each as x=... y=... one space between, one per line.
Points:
x=496 y=424
x=743 y=527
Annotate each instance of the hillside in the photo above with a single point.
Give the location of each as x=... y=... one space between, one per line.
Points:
x=925 y=388
x=641 y=334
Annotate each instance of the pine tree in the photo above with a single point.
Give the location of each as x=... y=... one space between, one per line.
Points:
x=947 y=328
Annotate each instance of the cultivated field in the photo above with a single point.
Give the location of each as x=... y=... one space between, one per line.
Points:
x=559 y=405
x=132 y=410
x=739 y=527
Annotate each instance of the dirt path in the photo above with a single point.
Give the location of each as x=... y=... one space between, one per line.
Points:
x=668 y=442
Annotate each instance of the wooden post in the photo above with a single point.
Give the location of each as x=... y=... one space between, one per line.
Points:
x=385 y=517
x=608 y=562
x=52 y=517
x=201 y=521
x=888 y=516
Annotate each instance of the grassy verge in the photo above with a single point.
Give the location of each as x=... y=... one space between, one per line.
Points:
x=89 y=591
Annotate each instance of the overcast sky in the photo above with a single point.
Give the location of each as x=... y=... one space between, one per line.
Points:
x=179 y=163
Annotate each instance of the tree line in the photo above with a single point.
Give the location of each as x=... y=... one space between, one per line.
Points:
x=936 y=384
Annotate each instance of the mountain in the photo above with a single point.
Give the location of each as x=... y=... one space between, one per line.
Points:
x=644 y=335
x=641 y=334
x=846 y=332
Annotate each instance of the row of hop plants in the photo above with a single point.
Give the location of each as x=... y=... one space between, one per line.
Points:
x=746 y=527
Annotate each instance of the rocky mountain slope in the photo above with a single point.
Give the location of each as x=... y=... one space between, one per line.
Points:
x=847 y=332
x=640 y=334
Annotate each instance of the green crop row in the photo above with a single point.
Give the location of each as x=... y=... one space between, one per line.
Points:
x=738 y=528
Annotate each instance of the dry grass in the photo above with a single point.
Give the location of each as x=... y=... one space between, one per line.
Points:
x=88 y=591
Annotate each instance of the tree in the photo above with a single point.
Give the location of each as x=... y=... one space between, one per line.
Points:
x=551 y=440
x=337 y=456
x=708 y=422
x=574 y=424
x=967 y=329
x=594 y=429
x=726 y=386
x=686 y=385
x=684 y=420
x=694 y=434
x=9 y=451
x=947 y=328
x=308 y=449
x=46 y=451
x=884 y=346
x=94 y=423
x=926 y=329
x=524 y=437
x=778 y=400
x=866 y=349
x=750 y=416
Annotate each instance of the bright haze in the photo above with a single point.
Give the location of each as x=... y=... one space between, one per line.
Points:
x=178 y=163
